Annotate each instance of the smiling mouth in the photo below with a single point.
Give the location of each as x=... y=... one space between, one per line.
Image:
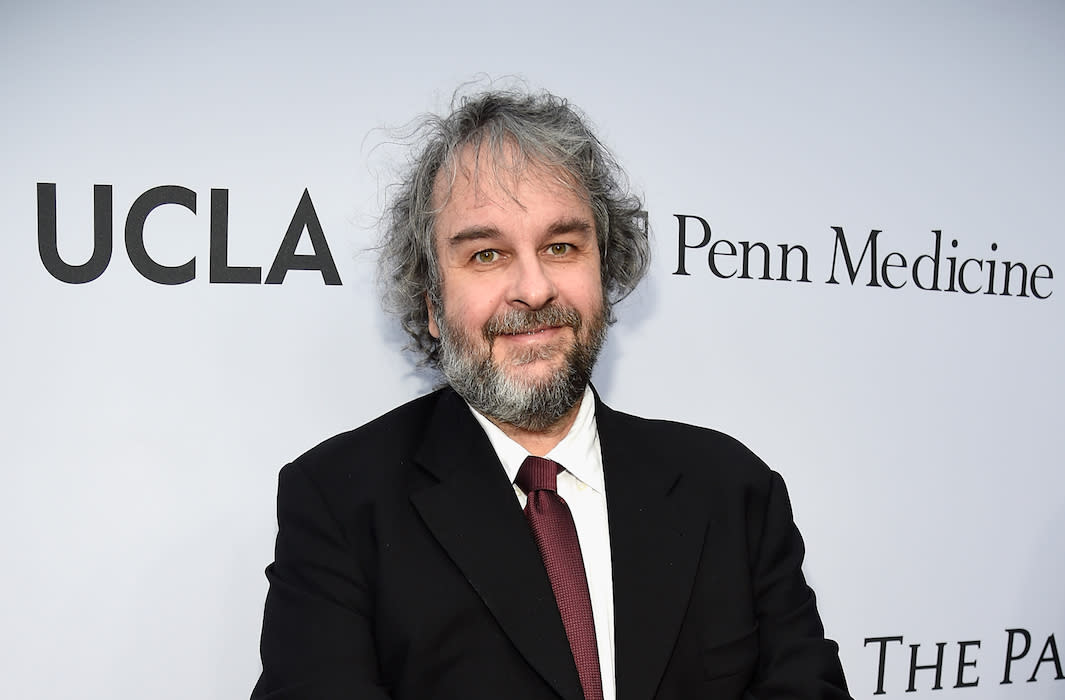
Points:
x=527 y=324
x=534 y=331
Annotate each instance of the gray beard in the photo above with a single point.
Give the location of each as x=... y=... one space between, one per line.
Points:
x=534 y=406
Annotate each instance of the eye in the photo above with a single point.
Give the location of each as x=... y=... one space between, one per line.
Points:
x=486 y=256
x=559 y=248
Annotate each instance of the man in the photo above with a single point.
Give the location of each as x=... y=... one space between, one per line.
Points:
x=510 y=536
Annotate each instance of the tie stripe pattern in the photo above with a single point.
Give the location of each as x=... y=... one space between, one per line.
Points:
x=556 y=537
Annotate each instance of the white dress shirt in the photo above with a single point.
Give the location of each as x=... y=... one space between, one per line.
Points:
x=582 y=486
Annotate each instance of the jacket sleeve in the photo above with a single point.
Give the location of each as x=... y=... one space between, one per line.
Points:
x=795 y=659
x=317 y=639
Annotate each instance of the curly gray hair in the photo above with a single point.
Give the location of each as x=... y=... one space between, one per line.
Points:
x=512 y=127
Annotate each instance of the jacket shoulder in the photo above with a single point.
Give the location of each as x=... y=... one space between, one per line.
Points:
x=707 y=452
x=389 y=439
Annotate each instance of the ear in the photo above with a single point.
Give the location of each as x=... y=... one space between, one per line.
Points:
x=434 y=330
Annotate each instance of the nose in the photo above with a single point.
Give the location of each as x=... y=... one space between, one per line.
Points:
x=532 y=285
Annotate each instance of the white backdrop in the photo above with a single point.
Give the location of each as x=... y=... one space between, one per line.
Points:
x=920 y=432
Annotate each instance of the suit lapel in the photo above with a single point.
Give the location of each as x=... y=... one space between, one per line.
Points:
x=474 y=515
x=656 y=537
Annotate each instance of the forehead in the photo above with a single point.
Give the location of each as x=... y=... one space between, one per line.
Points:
x=480 y=179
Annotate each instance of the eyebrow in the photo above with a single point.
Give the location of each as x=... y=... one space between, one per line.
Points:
x=574 y=225
x=473 y=233
x=562 y=226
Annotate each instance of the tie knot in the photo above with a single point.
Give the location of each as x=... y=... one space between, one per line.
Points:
x=538 y=474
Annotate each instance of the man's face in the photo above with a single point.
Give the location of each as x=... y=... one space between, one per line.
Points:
x=523 y=315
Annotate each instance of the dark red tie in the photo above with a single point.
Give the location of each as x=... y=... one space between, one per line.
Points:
x=556 y=536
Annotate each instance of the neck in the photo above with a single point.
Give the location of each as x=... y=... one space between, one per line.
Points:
x=540 y=442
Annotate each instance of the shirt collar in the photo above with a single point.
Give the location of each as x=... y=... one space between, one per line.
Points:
x=577 y=452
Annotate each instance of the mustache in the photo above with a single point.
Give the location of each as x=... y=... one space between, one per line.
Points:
x=520 y=321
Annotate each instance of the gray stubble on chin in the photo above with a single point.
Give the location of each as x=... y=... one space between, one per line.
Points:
x=487 y=388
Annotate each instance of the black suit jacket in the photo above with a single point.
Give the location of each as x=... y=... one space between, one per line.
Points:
x=404 y=568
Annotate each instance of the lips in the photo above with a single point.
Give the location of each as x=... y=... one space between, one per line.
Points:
x=517 y=323
x=533 y=331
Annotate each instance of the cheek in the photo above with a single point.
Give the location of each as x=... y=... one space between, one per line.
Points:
x=469 y=311
x=587 y=295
